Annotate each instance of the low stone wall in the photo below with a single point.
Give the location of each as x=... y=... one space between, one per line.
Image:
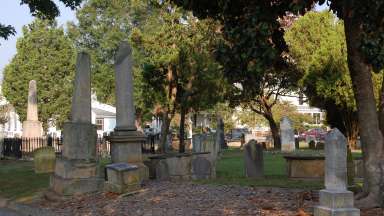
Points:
x=182 y=166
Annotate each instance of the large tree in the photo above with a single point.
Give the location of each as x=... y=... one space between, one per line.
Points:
x=363 y=27
x=176 y=49
x=101 y=26
x=45 y=54
x=46 y=9
x=317 y=43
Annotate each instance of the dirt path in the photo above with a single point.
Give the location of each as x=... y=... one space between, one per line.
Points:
x=186 y=198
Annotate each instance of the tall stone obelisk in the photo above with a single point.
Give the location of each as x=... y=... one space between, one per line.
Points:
x=76 y=171
x=32 y=127
x=126 y=140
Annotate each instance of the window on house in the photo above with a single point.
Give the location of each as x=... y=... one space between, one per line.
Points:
x=99 y=124
x=316 y=118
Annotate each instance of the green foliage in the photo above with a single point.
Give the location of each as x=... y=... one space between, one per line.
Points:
x=46 y=9
x=175 y=52
x=44 y=54
x=6 y=31
x=102 y=25
x=317 y=43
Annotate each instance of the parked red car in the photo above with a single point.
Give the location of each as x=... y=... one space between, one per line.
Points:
x=317 y=133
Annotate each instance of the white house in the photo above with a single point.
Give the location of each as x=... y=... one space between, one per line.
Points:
x=103 y=116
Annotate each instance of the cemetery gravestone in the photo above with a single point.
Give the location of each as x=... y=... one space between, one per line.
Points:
x=287 y=135
x=44 y=160
x=253 y=159
x=126 y=140
x=76 y=172
x=335 y=199
x=201 y=168
x=32 y=127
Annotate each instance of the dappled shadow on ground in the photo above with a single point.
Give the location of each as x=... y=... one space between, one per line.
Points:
x=187 y=198
x=176 y=198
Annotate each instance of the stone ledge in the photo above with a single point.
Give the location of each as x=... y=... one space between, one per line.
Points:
x=324 y=211
x=72 y=186
x=336 y=199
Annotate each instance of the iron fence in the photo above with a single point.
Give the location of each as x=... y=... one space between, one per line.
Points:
x=24 y=147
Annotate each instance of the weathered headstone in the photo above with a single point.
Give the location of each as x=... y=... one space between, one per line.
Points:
x=76 y=171
x=287 y=135
x=32 y=127
x=253 y=159
x=220 y=137
x=126 y=140
x=205 y=143
x=44 y=160
x=335 y=199
x=201 y=168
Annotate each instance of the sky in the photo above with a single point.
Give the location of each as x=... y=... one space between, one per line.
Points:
x=12 y=13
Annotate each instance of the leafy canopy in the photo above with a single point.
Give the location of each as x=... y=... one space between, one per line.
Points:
x=44 y=54
x=44 y=9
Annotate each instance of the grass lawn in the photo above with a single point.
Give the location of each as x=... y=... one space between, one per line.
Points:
x=230 y=170
x=18 y=179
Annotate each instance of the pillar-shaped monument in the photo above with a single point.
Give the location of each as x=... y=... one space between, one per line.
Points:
x=287 y=135
x=76 y=171
x=126 y=140
x=335 y=199
x=32 y=127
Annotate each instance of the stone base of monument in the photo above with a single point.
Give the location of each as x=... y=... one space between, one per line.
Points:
x=79 y=141
x=126 y=148
x=336 y=203
x=32 y=128
x=122 y=178
x=74 y=177
x=182 y=166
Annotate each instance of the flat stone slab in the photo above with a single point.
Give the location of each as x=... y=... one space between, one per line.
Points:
x=122 y=166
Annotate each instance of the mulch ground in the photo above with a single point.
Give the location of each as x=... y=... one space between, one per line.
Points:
x=186 y=198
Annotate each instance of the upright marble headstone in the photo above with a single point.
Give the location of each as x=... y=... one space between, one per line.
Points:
x=126 y=140
x=32 y=127
x=253 y=159
x=335 y=199
x=287 y=135
x=76 y=171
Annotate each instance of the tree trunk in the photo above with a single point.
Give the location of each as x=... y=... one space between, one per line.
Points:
x=182 y=130
x=274 y=131
x=370 y=133
x=164 y=132
x=351 y=125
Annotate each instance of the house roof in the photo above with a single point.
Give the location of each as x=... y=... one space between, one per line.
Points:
x=104 y=110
